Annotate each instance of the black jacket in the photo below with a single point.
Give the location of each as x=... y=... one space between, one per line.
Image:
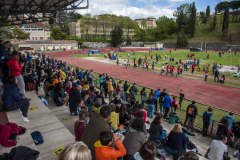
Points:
x=176 y=141
x=74 y=99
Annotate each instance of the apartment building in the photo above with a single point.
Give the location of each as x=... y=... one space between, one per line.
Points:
x=38 y=31
x=146 y=23
x=96 y=29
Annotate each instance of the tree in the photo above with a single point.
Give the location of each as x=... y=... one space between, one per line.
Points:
x=182 y=40
x=202 y=16
x=214 y=23
x=6 y=33
x=192 y=20
x=182 y=15
x=144 y=24
x=116 y=36
x=128 y=41
x=208 y=12
x=57 y=34
x=165 y=27
x=140 y=35
x=18 y=33
x=225 y=22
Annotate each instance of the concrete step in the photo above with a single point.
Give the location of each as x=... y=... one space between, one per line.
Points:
x=54 y=133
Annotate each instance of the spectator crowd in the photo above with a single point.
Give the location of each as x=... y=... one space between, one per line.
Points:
x=111 y=122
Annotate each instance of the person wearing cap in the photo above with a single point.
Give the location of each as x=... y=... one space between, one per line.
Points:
x=97 y=124
x=75 y=98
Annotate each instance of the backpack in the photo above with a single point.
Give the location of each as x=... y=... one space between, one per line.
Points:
x=190 y=111
x=236 y=129
x=191 y=146
x=37 y=137
x=21 y=153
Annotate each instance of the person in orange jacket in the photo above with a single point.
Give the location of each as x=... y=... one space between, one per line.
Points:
x=105 y=149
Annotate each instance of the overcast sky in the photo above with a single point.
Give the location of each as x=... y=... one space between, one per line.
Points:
x=143 y=8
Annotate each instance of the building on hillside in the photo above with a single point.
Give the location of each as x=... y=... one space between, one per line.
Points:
x=47 y=45
x=146 y=23
x=96 y=29
x=38 y=31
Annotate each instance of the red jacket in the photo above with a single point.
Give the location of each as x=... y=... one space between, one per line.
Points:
x=78 y=129
x=14 y=67
x=6 y=131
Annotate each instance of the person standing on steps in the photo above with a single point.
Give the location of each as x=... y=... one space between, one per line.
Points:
x=155 y=97
x=167 y=102
x=207 y=120
x=181 y=98
x=192 y=112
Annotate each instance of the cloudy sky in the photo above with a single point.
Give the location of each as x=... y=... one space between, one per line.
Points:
x=143 y=8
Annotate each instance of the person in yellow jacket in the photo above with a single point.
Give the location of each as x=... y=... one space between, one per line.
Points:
x=114 y=117
x=105 y=148
x=85 y=86
x=110 y=90
x=62 y=75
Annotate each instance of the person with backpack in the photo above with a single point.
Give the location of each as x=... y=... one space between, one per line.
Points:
x=192 y=112
x=207 y=120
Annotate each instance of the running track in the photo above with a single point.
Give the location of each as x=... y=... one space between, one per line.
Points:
x=216 y=95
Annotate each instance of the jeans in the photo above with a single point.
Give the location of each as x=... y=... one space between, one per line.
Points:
x=21 y=84
x=150 y=111
x=190 y=122
x=23 y=105
x=205 y=129
x=156 y=104
x=205 y=79
x=180 y=103
x=161 y=107
x=166 y=112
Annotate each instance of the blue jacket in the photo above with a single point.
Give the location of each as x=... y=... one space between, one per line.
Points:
x=156 y=94
x=10 y=95
x=230 y=120
x=167 y=101
x=101 y=79
x=209 y=114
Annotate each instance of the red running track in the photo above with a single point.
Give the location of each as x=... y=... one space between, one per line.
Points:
x=216 y=95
